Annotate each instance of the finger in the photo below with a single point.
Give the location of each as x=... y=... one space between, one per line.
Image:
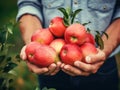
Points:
x=23 y=54
x=90 y=68
x=57 y=68
x=66 y=69
x=62 y=65
x=83 y=66
x=100 y=56
x=67 y=72
x=51 y=69
x=74 y=71
x=36 y=69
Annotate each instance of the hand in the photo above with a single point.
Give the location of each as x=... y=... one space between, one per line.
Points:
x=51 y=70
x=93 y=63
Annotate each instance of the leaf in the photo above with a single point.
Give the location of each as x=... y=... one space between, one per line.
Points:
x=9 y=67
x=1 y=80
x=86 y=23
x=37 y=88
x=99 y=41
x=66 y=13
x=7 y=79
x=69 y=12
x=10 y=30
x=10 y=27
x=98 y=32
x=5 y=48
x=16 y=24
x=77 y=22
x=6 y=61
x=51 y=89
x=88 y=30
x=45 y=88
x=3 y=36
x=17 y=57
x=106 y=35
x=74 y=14
x=63 y=10
x=2 y=58
x=66 y=21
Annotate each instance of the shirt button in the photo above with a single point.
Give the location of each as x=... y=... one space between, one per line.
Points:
x=104 y=7
x=49 y=5
x=75 y=1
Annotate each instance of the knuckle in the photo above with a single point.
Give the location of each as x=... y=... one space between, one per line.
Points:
x=35 y=71
x=94 y=71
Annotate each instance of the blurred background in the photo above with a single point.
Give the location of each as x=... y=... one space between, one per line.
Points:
x=24 y=79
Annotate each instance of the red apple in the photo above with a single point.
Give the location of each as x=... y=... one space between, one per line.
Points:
x=88 y=49
x=31 y=49
x=45 y=55
x=76 y=34
x=57 y=44
x=57 y=26
x=43 y=36
x=70 y=53
x=90 y=38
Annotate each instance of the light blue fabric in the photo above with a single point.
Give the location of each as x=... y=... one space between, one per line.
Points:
x=99 y=12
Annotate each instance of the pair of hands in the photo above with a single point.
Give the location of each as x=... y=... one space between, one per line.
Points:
x=93 y=63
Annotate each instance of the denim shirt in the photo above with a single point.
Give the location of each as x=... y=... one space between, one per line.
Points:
x=99 y=12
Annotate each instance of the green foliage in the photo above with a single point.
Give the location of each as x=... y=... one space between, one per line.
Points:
x=7 y=62
x=45 y=88
x=14 y=74
x=69 y=15
x=99 y=40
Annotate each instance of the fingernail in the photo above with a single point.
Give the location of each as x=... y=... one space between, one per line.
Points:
x=65 y=67
x=77 y=64
x=88 y=59
x=62 y=65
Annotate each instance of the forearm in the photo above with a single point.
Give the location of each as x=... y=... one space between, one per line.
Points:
x=28 y=25
x=113 y=40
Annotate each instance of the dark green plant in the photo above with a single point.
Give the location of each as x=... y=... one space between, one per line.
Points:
x=45 y=88
x=7 y=62
x=69 y=15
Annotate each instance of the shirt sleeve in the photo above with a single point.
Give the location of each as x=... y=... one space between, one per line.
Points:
x=32 y=7
x=117 y=10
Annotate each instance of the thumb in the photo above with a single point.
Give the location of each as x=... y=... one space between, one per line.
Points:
x=100 y=56
x=23 y=54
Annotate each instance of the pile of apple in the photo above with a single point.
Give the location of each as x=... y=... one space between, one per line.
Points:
x=60 y=42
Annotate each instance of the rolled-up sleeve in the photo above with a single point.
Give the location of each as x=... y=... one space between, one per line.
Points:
x=117 y=10
x=33 y=7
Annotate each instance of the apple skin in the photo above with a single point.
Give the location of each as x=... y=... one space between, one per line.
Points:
x=76 y=34
x=71 y=53
x=90 y=39
x=57 y=26
x=88 y=49
x=45 y=55
x=30 y=50
x=43 y=36
x=57 y=44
